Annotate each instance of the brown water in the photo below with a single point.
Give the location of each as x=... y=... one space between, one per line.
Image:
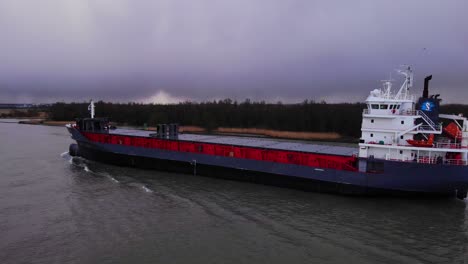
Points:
x=55 y=209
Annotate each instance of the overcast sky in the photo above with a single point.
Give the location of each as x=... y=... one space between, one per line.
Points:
x=171 y=50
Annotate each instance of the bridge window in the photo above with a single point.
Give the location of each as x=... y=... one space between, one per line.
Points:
x=383 y=106
x=371 y=135
x=375 y=106
x=372 y=120
x=398 y=106
x=402 y=122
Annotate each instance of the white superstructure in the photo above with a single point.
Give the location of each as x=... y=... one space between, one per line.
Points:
x=392 y=124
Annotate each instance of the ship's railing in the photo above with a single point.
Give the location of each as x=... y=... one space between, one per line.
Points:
x=428 y=160
x=434 y=160
x=440 y=160
x=448 y=145
x=393 y=96
x=397 y=112
x=456 y=162
x=408 y=112
x=426 y=118
x=429 y=128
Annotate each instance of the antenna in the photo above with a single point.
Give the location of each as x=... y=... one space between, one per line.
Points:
x=91 y=108
x=408 y=83
x=387 y=87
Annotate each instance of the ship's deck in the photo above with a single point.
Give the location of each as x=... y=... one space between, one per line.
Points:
x=246 y=141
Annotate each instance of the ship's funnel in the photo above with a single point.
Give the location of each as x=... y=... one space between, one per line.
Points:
x=429 y=105
x=426 y=86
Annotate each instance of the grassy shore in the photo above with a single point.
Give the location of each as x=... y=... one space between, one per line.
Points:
x=44 y=122
x=315 y=136
x=280 y=134
x=22 y=114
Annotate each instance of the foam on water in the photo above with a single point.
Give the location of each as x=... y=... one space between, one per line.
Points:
x=146 y=189
x=107 y=175
x=139 y=186
x=79 y=162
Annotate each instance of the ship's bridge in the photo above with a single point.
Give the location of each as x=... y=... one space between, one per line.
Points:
x=384 y=102
x=382 y=107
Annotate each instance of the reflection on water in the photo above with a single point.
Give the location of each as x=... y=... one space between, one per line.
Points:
x=61 y=209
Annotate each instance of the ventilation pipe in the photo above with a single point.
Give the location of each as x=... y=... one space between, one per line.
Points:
x=426 y=86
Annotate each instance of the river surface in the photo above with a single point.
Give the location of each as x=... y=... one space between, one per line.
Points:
x=59 y=209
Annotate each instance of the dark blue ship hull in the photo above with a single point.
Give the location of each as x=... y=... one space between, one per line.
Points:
x=396 y=178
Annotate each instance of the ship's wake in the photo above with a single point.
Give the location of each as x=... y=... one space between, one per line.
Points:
x=84 y=164
x=140 y=186
x=108 y=176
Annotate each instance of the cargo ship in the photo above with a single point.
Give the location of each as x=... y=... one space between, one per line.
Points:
x=406 y=148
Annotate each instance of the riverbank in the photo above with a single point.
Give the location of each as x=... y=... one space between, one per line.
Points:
x=20 y=113
x=44 y=122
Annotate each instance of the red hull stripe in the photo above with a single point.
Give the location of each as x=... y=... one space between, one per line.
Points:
x=240 y=152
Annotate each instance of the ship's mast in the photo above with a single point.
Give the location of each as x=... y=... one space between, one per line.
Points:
x=407 y=84
x=91 y=108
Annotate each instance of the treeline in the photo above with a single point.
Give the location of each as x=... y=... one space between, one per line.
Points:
x=310 y=116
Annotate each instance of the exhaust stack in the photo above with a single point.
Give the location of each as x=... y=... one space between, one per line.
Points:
x=426 y=86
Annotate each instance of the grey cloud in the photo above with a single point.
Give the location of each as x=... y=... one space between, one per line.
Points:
x=291 y=50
